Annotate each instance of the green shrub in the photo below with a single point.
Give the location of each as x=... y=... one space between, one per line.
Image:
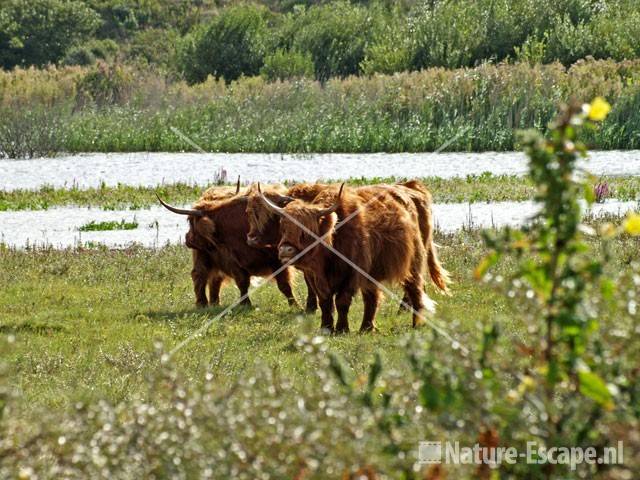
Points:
x=154 y=46
x=105 y=85
x=37 y=32
x=336 y=35
x=36 y=131
x=79 y=56
x=389 y=50
x=284 y=65
x=448 y=35
x=103 y=49
x=231 y=45
x=568 y=42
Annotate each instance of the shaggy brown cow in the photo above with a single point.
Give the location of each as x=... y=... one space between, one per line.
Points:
x=412 y=195
x=264 y=225
x=383 y=238
x=204 y=272
x=218 y=231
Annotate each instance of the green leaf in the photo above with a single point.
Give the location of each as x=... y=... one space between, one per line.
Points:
x=593 y=387
x=375 y=370
x=429 y=396
x=485 y=264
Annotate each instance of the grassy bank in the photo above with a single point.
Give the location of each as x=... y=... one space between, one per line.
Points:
x=92 y=325
x=473 y=188
x=116 y=108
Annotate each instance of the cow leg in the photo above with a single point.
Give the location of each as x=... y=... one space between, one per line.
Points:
x=414 y=286
x=200 y=276
x=405 y=305
x=283 y=279
x=343 y=303
x=243 y=280
x=326 y=307
x=415 y=290
x=215 y=282
x=370 y=298
x=312 y=299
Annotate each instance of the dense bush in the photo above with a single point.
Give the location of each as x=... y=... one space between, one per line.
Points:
x=154 y=46
x=89 y=52
x=82 y=56
x=232 y=44
x=122 y=19
x=105 y=85
x=335 y=35
x=342 y=37
x=37 y=32
x=33 y=132
x=284 y=65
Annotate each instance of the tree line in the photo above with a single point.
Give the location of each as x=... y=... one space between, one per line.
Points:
x=284 y=39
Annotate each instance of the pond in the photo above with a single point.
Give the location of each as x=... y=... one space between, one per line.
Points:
x=151 y=169
x=59 y=227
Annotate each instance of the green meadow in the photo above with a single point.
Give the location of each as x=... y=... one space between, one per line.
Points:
x=473 y=188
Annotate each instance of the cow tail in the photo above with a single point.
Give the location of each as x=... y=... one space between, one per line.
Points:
x=439 y=275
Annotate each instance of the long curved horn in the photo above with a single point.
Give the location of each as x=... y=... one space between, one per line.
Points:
x=238 y=185
x=332 y=208
x=272 y=206
x=281 y=200
x=180 y=211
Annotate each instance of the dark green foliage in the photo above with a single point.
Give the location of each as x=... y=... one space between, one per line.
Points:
x=230 y=39
x=123 y=18
x=231 y=45
x=79 y=56
x=335 y=35
x=154 y=46
x=89 y=52
x=37 y=32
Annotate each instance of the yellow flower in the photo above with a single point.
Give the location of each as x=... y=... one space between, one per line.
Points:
x=599 y=109
x=632 y=224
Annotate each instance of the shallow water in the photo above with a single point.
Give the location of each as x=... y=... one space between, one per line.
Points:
x=151 y=169
x=58 y=227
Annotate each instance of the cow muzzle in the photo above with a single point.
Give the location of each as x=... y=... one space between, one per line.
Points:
x=286 y=252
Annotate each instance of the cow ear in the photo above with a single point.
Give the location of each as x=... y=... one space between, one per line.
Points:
x=206 y=227
x=283 y=200
x=327 y=222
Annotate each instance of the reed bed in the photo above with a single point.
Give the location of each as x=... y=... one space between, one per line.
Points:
x=117 y=108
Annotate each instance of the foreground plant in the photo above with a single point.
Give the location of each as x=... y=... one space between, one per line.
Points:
x=573 y=380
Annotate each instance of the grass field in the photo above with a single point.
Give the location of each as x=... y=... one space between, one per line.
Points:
x=87 y=328
x=122 y=301
x=474 y=188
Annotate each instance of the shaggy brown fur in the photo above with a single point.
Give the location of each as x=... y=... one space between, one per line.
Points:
x=264 y=224
x=218 y=239
x=204 y=272
x=411 y=195
x=383 y=239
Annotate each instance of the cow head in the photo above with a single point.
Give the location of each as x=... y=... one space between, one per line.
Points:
x=202 y=229
x=299 y=222
x=263 y=223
